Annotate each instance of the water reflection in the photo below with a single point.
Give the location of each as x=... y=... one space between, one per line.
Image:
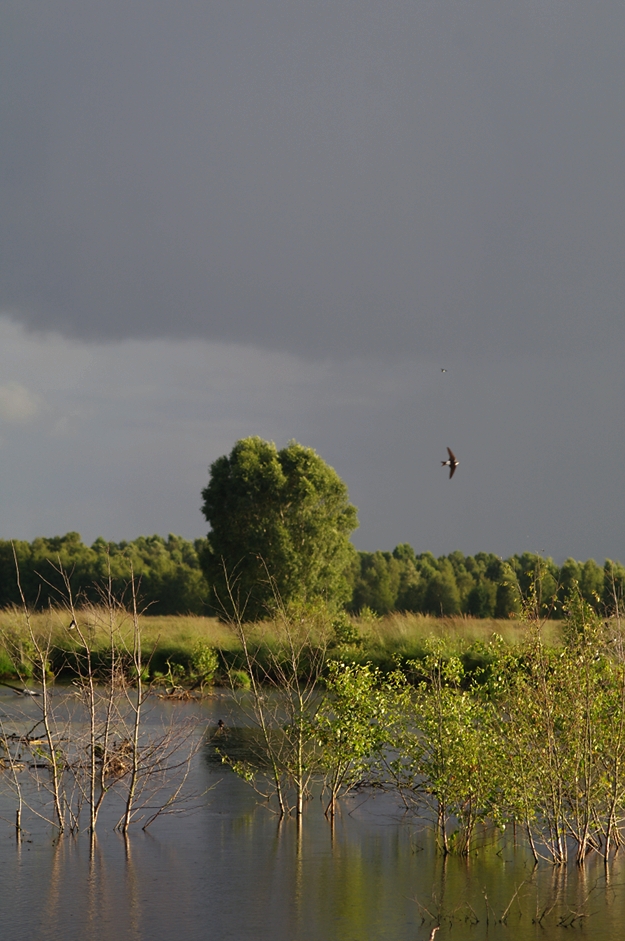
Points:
x=54 y=901
x=234 y=871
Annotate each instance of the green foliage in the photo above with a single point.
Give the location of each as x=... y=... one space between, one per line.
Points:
x=507 y=599
x=280 y=525
x=368 y=616
x=613 y=585
x=481 y=586
x=350 y=725
x=560 y=728
x=19 y=650
x=346 y=633
x=204 y=662
x=377 y=585
x=7 y=666
x=239 y=679
x=441 y=596
x=536 y=737
x=481 y=600
x=168 y=572
x=446 y=749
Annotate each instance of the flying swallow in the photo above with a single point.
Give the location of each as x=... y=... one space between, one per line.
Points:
x=452 y=463
x=443 y=370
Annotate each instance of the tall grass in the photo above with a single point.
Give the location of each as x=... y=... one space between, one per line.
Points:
x=384 y=642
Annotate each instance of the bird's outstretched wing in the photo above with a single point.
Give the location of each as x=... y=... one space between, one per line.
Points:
x=452 y=468
x=452 y=456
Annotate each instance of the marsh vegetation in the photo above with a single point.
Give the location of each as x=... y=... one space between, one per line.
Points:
x=174 y=577
x=527 y=736
x=68 y=748
x=471 y=727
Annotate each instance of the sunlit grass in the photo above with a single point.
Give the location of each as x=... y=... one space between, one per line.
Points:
x=406 y=630
x=383 y=641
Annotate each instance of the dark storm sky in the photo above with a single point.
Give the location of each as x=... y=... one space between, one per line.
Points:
x=283 y=218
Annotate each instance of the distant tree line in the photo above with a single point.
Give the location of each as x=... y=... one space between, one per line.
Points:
x=167 y=571
x=172 y=580
x=482 y=586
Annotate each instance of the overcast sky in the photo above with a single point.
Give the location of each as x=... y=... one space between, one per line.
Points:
x=284 y=218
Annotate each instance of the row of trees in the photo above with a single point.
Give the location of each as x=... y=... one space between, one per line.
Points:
x=172 y=580
x=534 y=739
x=167 y=571
x=481 y=586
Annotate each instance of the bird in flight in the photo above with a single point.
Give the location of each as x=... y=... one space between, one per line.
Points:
x=443 y=370
x=452 y=463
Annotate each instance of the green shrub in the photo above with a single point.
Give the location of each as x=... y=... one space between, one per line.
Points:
x=346 y=633
x=7 y=667
x=204 y=662
x=368 y=615
x=239 y=679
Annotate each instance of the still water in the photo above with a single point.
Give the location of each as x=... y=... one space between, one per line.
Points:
x=230 y=870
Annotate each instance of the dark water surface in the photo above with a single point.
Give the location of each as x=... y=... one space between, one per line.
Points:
x=231 y=871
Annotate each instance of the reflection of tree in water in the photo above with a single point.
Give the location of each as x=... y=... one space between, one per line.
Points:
x=133 y=890
x=548 y=897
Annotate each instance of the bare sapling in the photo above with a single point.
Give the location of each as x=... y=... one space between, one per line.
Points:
x=284 y=696
x=159 y=764
x=41 y=649
x=136 y=702
x=14 y=765
x=613 y=759
x=294 y=671
x=234 y=615
x=99 y=686
x=93 y=741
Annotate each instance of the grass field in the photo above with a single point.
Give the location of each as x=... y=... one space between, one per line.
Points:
x=173 y=640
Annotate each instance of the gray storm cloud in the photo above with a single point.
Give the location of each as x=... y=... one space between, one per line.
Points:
x=323 y=178
x=115 y=439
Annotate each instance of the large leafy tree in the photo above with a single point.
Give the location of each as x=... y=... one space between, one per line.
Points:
x=280 y=521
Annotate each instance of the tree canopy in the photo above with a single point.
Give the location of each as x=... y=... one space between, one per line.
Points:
x=171 y=580
x=280 y=517
x=482 y=586
x=168 y=572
